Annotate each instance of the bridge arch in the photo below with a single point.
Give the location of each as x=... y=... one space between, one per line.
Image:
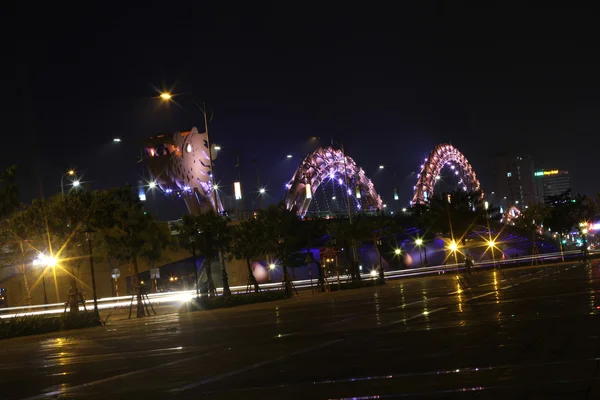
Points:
x=329 y=164
x=441 y=156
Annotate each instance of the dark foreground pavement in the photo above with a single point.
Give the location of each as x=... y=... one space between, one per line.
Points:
x=523 y=333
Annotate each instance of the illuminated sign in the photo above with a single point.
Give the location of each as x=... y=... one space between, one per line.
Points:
x=237 y=190
x=546 y=173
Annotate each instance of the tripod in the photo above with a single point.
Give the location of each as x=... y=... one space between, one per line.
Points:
x=145 y=301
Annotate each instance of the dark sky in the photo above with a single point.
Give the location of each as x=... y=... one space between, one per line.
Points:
x=389 y=81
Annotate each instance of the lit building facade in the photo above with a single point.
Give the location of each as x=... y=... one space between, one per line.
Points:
x=512 y=181
x=551 y=183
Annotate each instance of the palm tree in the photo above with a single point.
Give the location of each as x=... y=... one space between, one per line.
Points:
x=245 y=245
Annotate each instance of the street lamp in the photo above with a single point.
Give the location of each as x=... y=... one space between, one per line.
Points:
x=491 y=244
x=70 y=172
x=89 y=236
x=76 y=183
x=192 y=240
x=419 y=243
x=45 y=261
x=453 y=248
x=166 y=96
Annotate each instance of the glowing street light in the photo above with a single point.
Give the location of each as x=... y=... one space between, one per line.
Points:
x=166 y=96
x=217 y=147
x=289 y=156
x=491 y=243
x=76 y=183
x=419 y=243
x=397 y=252
x=117 y=139
x=70 y=172
x=152 y=185
x=381 y=167
x=261 y=190
x=45 y=261
x=453 y=246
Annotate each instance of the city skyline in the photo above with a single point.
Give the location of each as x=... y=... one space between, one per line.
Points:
x=390 y=99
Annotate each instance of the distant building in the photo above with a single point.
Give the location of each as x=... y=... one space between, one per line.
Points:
x=551 y=183
x=512 y=181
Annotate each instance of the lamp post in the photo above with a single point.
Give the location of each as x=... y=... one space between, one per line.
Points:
x=193 y=243
x=70 y=172
x=44 y=261
x=419 y=243
x=491 y=245
x=89 y=235
x=453 y=248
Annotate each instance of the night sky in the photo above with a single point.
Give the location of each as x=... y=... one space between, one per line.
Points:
x=390 y=82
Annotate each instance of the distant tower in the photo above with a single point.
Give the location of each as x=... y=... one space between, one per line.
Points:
x=512 y=181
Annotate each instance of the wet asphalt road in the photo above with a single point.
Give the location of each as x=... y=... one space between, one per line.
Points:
x=522 y=333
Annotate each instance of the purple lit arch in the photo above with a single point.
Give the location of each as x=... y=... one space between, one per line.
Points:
x=443 y=155
x=330 y=164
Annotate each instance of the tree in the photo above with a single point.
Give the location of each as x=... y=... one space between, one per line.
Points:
x=347 y=235
x=9 y=192
x=375 y=229
x=131 y=233
x=281 y=235
x=211 y=237
x=245 y=245
x=455 y=214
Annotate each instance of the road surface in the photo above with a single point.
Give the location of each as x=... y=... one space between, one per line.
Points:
x=526 y=332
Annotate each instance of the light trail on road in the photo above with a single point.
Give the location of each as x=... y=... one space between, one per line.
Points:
x=187 y=295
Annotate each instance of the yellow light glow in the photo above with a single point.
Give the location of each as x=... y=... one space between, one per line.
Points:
x=397 y=251
x=419 y=242
x=71 y=172
x=491 y=243
x=272 y=266
x=453 y=246
x=166 y=96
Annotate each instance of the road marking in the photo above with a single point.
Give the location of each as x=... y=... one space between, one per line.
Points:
x=250 y=367
x=482 y=295
x=414 y=302
x=423 y=314
x=112 y=378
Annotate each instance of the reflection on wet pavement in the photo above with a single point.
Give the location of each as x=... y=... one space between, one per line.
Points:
x=529 y=332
